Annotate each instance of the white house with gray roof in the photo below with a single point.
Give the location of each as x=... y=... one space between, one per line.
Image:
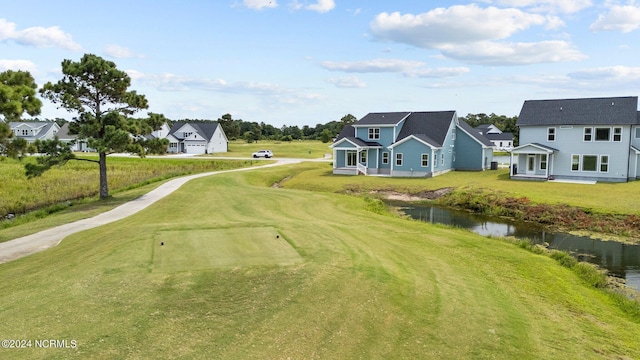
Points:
x=595 y=139
x=410 y=144
x=204 y=137
x=34 y=130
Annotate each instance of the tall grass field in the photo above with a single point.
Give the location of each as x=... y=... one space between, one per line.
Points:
x=228 y=267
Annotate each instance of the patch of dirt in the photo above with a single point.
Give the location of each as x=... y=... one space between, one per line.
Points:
x=421 y=196
x=278 y=184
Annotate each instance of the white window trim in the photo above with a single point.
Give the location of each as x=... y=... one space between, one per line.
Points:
x=595 y=134
x=613 y=134
x=555 y=134
x=399 y=159
x=600 y=163
x=545 y=162
x=385 y=160
x=373 y=135
x=584 y=134
x=422 y=158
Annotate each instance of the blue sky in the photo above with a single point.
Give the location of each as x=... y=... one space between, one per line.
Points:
x=299 y=62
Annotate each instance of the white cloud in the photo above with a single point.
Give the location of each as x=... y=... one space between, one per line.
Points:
x=620 y=18
x=347 y=82
x=477 y=35
x=178 y=83
x=493 y=53
x=609 y=73
x=549 y=6
x=454 y=25
x=404 y=67
x=15 y=65
x=119 y=52
x=260 y=4
x=38 y=36
x=321 y=6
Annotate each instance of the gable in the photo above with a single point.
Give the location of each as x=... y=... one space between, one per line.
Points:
x=432 y=125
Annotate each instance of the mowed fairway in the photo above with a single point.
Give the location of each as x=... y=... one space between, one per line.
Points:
x=340 y=282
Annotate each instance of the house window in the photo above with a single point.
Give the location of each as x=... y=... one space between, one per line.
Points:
x=363 y=157
x=351 y=158
x=374 y=133
x=604 y=163
x=441 y=159
x=575 y=162
x=589 y=163
x=385 y=157
x=638 y=133
x=25 y=132
x=543 y=162
x=551 y=134
x=399 y=159
x=588 y=134
x=603 y=134
x=425 y=160
x=186 y=134
x=173 y=145
x=453 y=134
x=617 y=134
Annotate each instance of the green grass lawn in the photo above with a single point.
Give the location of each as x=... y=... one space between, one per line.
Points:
x=308 y=149
x=602 y=197
x=340 y=282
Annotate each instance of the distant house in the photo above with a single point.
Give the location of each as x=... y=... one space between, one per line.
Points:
x=34 y=130
x=410 y=144
x=501 y=140
x=65 y=136
x=578 y=139
x=204 y=137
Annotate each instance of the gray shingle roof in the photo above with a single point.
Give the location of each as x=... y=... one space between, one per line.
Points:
x=430 y=126
x=205 y=128
x=586 y=111
x=475 y=133
x=388 y=118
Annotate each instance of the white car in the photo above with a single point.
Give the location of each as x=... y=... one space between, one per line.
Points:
x=262 y=153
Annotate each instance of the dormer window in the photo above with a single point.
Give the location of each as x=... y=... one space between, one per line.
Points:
x=25 y=132
x=186 y=134
x=374 y=133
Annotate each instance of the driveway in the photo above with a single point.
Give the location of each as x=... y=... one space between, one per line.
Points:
x=30 y=244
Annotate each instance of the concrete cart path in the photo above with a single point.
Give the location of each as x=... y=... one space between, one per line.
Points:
x=30 y=244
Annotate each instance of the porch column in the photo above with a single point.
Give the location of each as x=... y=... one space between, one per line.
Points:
x=511 y=166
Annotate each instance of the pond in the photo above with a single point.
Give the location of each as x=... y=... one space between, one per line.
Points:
x=621 y=260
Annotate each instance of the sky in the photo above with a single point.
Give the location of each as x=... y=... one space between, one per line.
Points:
x=308 y=62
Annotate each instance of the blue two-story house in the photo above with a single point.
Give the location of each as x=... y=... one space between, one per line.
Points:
x=410 y=144
x=595 y=139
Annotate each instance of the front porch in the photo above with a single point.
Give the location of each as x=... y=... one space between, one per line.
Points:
x=532 y=162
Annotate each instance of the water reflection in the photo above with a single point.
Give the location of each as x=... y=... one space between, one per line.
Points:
x=620 y=259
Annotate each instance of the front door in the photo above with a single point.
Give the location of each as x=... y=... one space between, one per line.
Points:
x=351 y=158
x=531 y=164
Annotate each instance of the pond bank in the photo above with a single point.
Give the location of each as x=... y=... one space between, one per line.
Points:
x=559 y=217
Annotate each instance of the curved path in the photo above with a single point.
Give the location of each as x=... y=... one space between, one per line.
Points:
x=30 y=244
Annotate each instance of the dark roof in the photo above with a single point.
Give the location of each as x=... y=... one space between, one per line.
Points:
x=205 y=128
x=430 y=126
x=64 y=134
x=347 y=131
x=477 y=134
x=387 y=118
x=501 y=136
x=586 y=111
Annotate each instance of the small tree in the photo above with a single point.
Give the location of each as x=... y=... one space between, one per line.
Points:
x=17 y=96
x=98 y=92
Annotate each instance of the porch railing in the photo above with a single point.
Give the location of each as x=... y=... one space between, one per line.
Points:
x=362 y=169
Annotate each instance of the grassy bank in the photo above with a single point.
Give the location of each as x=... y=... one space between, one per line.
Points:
x=344 y=282
x=79 y=179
